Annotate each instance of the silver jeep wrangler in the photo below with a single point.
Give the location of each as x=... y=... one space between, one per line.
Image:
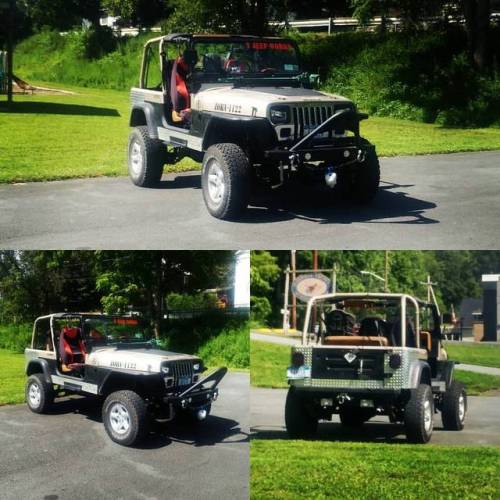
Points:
x=368 y=354
x=243 y=107
x=112 y=358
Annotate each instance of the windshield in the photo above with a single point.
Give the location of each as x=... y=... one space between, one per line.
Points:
x=112 y=330
x=249 y=58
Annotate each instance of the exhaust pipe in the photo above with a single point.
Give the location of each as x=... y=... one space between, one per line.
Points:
x=330 y=177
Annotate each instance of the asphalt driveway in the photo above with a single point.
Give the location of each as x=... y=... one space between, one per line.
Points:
x=425 y=202
x=67 y=455
x=482 y=428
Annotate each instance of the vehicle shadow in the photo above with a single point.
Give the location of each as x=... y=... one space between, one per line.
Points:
x=393 y=205
x=57 y=108
x=209 y=433
x=368 y=433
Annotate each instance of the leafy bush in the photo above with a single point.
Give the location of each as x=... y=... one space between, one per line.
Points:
x=260 y=308
x=88 y=58
x=200 y=335
x=202 y=300
x=426 y=76
x=230 y=348
x=15 y=337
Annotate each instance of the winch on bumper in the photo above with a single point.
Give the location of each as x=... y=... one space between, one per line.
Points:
x=337 y=151
x=197 y=397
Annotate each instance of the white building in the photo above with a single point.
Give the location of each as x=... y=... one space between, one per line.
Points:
x=241 y=297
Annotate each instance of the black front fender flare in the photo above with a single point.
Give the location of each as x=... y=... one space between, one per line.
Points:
x=39 y=366
x=225 y=128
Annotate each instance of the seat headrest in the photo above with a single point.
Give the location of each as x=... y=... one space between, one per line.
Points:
x=71 y=332
x=190 y=57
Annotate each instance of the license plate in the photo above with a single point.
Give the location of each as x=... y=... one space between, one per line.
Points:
x=184 y=380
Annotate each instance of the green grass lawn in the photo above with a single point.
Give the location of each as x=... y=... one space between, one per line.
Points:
x=299 y=469
x=474 y=354
x=11 y=377
x=61 y=136
x=270 y=361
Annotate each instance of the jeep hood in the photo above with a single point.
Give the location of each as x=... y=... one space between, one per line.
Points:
x=144 y=360
x=254 y=101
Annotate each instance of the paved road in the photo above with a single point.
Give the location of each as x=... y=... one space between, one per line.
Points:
x=426 y=202
x=489 y=370
x=274 y=339
x=67 y=455
x=482 y=424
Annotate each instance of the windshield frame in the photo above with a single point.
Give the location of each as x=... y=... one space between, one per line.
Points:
x=403 y=299
x=192 y=40
x=112 y=318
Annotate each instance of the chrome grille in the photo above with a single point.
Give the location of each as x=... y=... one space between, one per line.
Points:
x=181 y=369
x=307 y=118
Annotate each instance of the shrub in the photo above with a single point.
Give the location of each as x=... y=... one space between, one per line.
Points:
x=231 y=348
x=15 y=337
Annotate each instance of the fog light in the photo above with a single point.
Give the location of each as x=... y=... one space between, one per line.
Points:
x=201 y=414
x=308 y=156
x=326 y=402
x=366 y=403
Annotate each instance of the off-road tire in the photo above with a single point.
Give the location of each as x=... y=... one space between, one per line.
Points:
x=418 y=428
x=149 y=169
x=138 y=417
x=300 y=424
x=451 y=415
x=366 y=178
x=234 y=168
x=355 y=417
x=46 y=393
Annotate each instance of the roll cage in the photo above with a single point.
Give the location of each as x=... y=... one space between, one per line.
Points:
x=78 y=318
x=190 y=40
x=402 y=299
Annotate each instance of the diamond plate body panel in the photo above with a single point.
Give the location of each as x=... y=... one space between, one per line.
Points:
x=399 y=378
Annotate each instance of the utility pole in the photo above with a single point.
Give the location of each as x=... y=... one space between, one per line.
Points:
x=10 y=49
x=315 y=270
x=386 y=272
x=294 y=299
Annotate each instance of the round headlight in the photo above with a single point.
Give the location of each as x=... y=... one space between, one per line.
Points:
x=196 y=367
x=280 y=114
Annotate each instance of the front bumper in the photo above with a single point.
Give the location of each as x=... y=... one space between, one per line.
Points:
x=198 y=395
x=335 y=150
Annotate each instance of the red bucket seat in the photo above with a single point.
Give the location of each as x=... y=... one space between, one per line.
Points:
x=71 y=349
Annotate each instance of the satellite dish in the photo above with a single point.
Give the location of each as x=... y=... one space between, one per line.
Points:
x=310 y=285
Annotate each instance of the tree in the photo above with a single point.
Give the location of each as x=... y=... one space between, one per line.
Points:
x=60 y=14
x=138 y=12
x=477 y=23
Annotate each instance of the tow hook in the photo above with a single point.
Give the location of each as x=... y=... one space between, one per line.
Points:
x=361 y=156
x=330 y=177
